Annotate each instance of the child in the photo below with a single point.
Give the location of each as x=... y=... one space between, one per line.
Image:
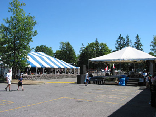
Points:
x=20 y=83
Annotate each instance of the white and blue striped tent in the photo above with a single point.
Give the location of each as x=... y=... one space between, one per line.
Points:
x=42 y=60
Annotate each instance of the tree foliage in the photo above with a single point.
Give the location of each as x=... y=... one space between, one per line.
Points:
x=66 y=53
x=120 y=43
x=153 y=45
x=151 y=53
x=137 y=44
x=92 y=50
x=45 y=49
x=16 y=34
x=128 y=42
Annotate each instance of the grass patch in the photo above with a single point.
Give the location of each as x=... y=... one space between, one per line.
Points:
x=2 y=80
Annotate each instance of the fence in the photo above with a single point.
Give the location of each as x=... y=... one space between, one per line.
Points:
x=48 y=76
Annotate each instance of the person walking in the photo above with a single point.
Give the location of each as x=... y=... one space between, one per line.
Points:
x=147 y=82
x=20 y=83
x=87 y=78
x=9 y=78
x=145 y=78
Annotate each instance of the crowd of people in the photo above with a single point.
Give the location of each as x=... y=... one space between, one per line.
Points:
x=149 y=79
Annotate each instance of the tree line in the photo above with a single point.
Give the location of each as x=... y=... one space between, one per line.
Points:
x=94 y=49
x=18 y=31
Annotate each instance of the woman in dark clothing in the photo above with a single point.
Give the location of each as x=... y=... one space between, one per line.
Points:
x=20 y=83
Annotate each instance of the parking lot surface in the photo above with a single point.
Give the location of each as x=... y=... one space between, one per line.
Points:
x=53 y=99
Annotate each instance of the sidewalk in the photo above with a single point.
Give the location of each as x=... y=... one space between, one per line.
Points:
x=44 y=81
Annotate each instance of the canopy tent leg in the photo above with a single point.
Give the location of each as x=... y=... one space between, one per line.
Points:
x=36 y=70
x=51 y=71
x=120 y=68
x=55 y=71
x=74 y=70
x=152 y=67
x=79 y=70
x=134 y=67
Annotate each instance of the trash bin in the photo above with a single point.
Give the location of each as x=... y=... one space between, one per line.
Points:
x=126 y=78
x=122 y=82
x=81 y=78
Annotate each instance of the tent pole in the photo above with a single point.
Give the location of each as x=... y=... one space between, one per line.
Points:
x=74 y=70
x=134 y=67
x=120 y=68
x=36 y=70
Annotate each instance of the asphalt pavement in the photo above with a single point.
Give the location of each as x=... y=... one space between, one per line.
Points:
x=65 y=98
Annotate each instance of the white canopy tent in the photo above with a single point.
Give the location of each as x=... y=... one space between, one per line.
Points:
x=127 y=55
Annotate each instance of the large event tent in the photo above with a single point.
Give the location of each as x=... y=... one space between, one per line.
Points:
x=42 y=60
x=127 y=54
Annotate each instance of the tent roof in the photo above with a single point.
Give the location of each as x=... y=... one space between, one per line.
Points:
x=127 y=54
x=40 y=59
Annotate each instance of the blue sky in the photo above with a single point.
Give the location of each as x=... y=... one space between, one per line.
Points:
x=82 y=21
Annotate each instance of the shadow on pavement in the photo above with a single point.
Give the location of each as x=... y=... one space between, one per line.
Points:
x=7 y=90
x=137 y=107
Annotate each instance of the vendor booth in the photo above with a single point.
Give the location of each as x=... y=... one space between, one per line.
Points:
x=127 y=55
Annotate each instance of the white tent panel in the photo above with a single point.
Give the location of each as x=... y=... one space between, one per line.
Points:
x=127 y=54
x=53 y=59
x=39 y=59
x=34 y=62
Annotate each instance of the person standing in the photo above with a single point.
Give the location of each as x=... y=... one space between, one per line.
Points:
x=20 y=82
x=87 y=78
x=145 y=76
x=150 y=79
x=9 y=78
x=147 y=82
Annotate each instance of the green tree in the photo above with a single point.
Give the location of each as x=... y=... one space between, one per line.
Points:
x=1 y=44
x=92 y=50
x=80 y=60
x=151 y=53
x=96 y=48
x=17 y=33
x=128 y=42
x=66 y=53
x=45 y=49
x=137 y=44
x=104 y=49
x=153 y=45
x=57 y=54
x=120 y=43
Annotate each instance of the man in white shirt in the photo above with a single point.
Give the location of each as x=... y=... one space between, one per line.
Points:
x=8 y=78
